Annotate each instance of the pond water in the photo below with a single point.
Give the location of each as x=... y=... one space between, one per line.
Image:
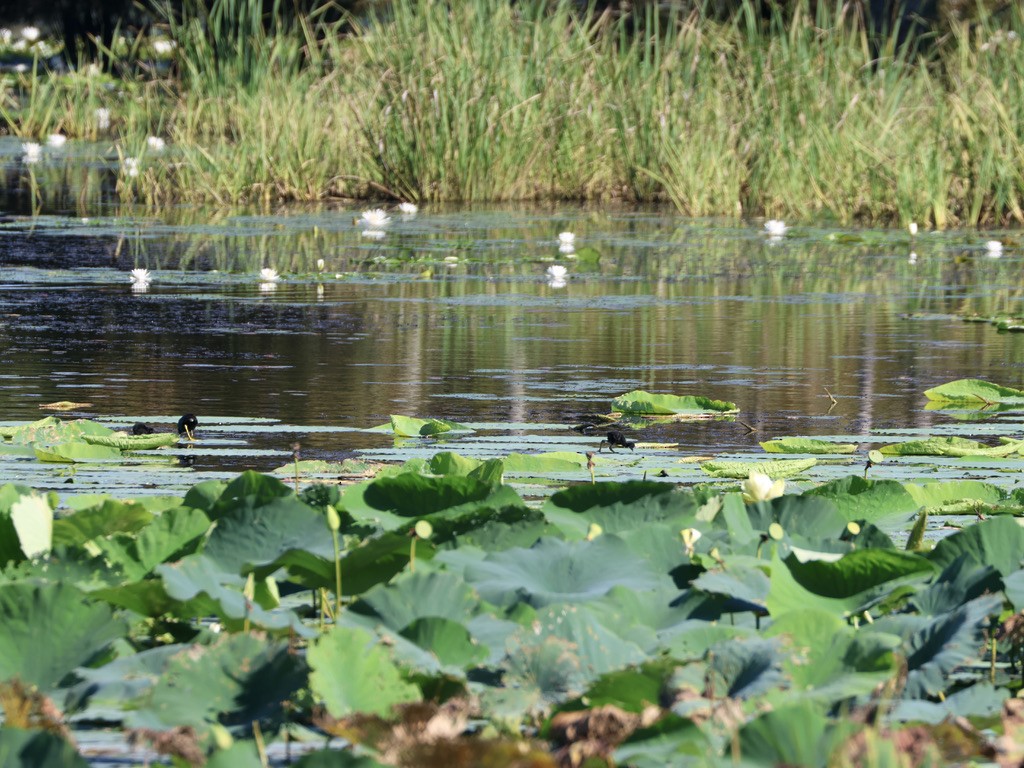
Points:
x=452 y=314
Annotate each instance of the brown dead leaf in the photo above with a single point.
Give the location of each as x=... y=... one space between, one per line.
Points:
x=178 y=742
x=65 y=405
x=1010 y=746
x=595 y=733
x=25 y=707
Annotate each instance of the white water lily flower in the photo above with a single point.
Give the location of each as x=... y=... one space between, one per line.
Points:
x=56 y=140
x=375 y=218
x=102 y=118
x=759 y=487
x=140 y=275
x=912 y=226
x=775 y=227
x=566 y=238
x=269 y=275
x=30 y=33
x=320 y=264
x=374 y=234
x=130 y=166
x=567 y=248
x=408 y=208
x=155 y=143
x=557 y=272
x=994 y=247
x=32 y=151
x=912 y=259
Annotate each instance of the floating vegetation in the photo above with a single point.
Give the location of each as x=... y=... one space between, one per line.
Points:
x=643 y=403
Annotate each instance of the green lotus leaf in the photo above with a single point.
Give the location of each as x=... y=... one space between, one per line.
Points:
x=49 y=630
x=104 y=519
x=77 y=452
x=957 y=447
x=412 y=495
x=831 y=660
x=448 y=640
x=748 y=668
x=797 y=734
x=579 y=498
x=408 y=426
x=618 y=507
x=981 y=700
x=554 y=571
x=935 y=647
x=133 y=442
x=973 y=392
x=631 y=689
x=998 y=541
x=672 y=740
x=942 y=493
x=345 y=468
x=104 y=692
x=640 y=402
x=351 y=672
x=334 y=758
x=247 y=491
x=743 y=583
x=857 y=571
x=37 y=749
x=960 y=581
x=53 y=430
x=165 y=537
x=541 y=463
x=240 y=679
x=863 y=499
x=806 y=445
x=775 y=469
x=241 y=754
x=417 y=596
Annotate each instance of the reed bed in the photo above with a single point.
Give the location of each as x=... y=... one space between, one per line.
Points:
x=800 y=116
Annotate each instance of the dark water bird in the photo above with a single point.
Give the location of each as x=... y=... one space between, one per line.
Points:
x=187 y=425
x=616 y=438
x=142 y=429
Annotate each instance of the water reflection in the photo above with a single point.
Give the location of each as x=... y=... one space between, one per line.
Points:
x=457 y=314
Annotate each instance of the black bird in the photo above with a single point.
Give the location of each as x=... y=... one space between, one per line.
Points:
x=142 y=429
x=187 y=425
x=616 y=438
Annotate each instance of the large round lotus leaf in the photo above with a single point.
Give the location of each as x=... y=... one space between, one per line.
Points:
x=748 y=668
x=417 y=596
x=413 y=495
x=352 y=672
x=641 y=402
x=973 y=392
x=937 y=494
x=672 y=740
x=449 y=640
x=76 y=452
x=998 y=542
x=806 y=445
x=133 y=442
x=799 y=734
x=103 y=519
x=50 y=629
x=856 y=571
x=950 y=446
x=554 y=571
x=247 y=491
x=53 y=430
x=579 y=498
x=863 y=499
x=240 y=679
x=37 y=749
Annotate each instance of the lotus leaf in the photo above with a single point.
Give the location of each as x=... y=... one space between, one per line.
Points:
x=666 y=507
x=333 y=758
x=973 y=392
x=672 y=740
x=241 y=754
x=960 y=581
x=133 y=442
x=998 y=542
x=950 y=446
x=412 y=495
x=408 y=426
x=863 y=499
x=936 y=494
x=797 y=734
x=775 y=469
x=648 y=404
x=21 y=748
x=107 y=518
x=449 y=640
x=417 y=596
x=53 y=430
x=806 y=445
x=747 y=667
x=166 y=536
x=240 y=679
x=76 y=453
x=49 y=630
x=554 y=571
x=580 y=498
x=857 y=571
x=352 y=673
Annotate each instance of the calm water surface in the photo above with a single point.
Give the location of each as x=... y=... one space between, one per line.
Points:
x=651 y=301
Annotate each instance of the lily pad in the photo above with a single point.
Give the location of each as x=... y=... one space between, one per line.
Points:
x=646 y=403
x=806 y=445
x=951 y=446
x=133 y=442
x=775 y=469
x=974 y=392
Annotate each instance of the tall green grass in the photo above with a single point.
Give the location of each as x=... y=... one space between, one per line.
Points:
x=799 y=116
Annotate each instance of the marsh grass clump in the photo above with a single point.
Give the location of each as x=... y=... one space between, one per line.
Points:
x=800 y=114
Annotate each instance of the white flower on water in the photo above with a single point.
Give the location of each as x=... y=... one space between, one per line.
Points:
x=130 y=167
x=759 y=487
x=268 y=287
x=566 y=238
x=408 y=208
x=56 y=140
x=155 y=143
x=102 y=118
x=567 y=248
x=994 y=248
x=30 y=33
x=775 y=227
x=375 y=218
x=140 y=275
x=912 y=226
x=912 y=259
x=557 y=272
x=320 y=264
x=374 y=234
x=269 y=275
x=31 y=151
